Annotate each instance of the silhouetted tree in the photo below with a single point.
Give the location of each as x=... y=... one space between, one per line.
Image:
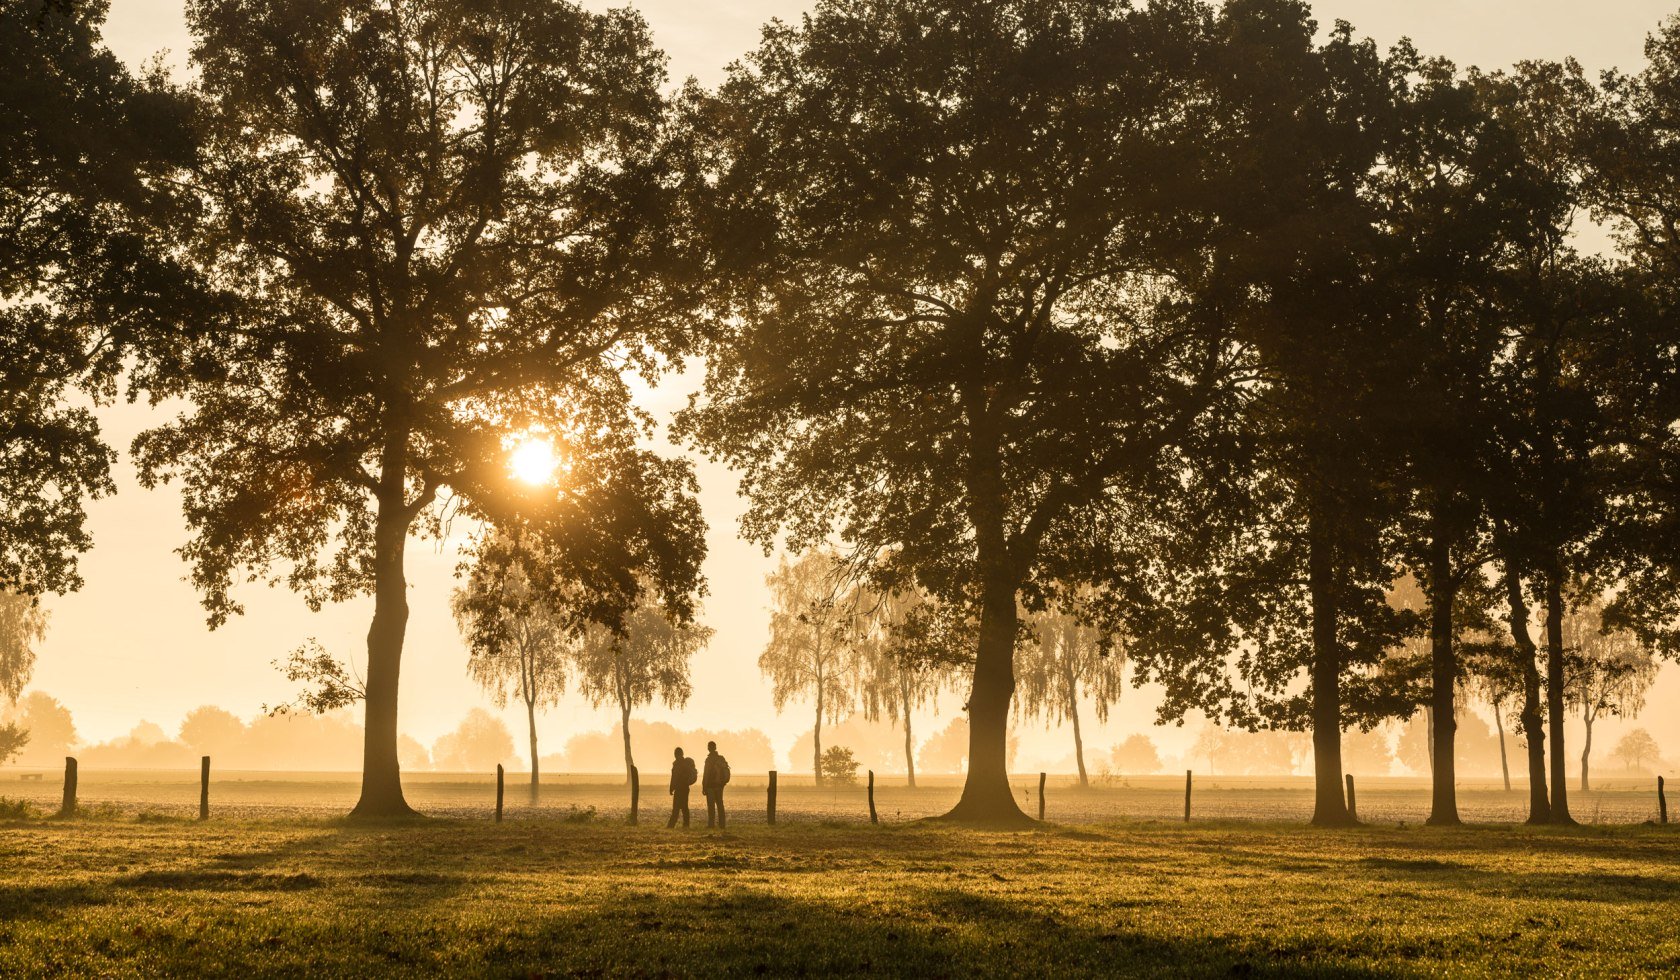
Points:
x=481 y=742
x=23 y=624
x=954 y=268
x=1605 y=673
x=1065 y=660
x=818 y=629
x=648 y=659
x=917 y=648
x=1136 y=754
x=432 y=225
x=1637 y=748
x=52 y=731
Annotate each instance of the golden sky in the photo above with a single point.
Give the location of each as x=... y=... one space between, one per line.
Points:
x=132 y=645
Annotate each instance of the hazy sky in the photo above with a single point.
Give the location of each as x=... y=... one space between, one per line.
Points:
x=132 y=645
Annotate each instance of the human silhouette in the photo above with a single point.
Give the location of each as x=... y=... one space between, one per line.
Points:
x=682 y=777
x=717 y=777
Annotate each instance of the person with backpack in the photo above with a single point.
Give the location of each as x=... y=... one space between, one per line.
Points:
x=682 y=777
x=717 y=777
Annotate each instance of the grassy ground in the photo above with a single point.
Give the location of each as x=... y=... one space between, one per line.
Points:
x=121 y=894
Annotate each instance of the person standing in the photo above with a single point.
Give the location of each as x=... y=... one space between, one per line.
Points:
x=682 y=777
x=717 y=777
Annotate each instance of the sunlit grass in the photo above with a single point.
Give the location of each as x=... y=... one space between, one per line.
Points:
x=120 y=896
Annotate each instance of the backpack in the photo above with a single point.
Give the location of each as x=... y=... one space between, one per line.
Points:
x=690 y=771
x=723 y=771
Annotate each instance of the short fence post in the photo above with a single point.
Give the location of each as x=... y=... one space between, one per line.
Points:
x=1186 y=796
x=872 y=797
x=204 y=788
x=1353 y=807
x=770 y=808
x=498 y=792
x=69 y=806
x=1041 y=796
x=1662 y=800
x=635 y=793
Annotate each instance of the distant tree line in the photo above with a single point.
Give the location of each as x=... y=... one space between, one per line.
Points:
x=1265 y=360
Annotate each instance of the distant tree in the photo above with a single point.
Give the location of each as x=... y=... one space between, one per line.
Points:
x=411 y=754
x=957 y=263
x=1367 y=753
x=211 y=731
x=649 y=660
x=1605 y=673
x=13 y=738
x=434 y=227
x=917 y=647
x=23 y=624
x=1496 y=675
x=52 y=732
x=480 y=743
x=818 y=623
x=1136 y=754
x=1636 y=749
x=1068 y=659
x=1237 y=752
x=838 y=765
x=518 y=634
x=83 y=268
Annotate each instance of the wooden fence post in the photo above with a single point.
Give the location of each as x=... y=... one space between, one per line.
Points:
x=872 y=797
x=1353 y=807
x=204 y=788
x=770 y=810
x=1041 y=796
x=498 y=792
x=1186 y=796
x=68 y=808
x=1662 y=800
x=635 y=793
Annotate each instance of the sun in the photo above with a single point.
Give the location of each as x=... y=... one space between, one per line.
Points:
x=533 y=461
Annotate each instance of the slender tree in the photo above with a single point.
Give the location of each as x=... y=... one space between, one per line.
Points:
x=1606 y=673
x=956 y=257
x=432 y=226
x=1066 y=660
x=818 y=629
x=648 y=659
x=915 y=650
x=517 y=635
x=23 y=624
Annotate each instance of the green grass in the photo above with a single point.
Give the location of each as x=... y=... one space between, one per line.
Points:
x=127 y=896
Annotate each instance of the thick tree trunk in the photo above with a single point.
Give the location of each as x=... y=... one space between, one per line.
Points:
x=986 y=797
x=1504 y=764
x=1443 y=808
x=624 y=729
x=1533 y=727
x=531 y=722
x=382 y=794
x=1554 y=698
x=1586 y=753
x=1329 y=803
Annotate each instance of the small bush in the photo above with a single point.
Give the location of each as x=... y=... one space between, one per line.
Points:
x=575 y=814
x=11 y=809
x=839 y=765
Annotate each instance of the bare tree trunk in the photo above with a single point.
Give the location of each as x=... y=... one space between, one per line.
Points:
x=909 y=750
x=1078 y=739
x=1504 y=765
x=382 y=794
x=1586 y=751
x=1443 y=808
x=624 y=728
x=1554 y=697
x=1329 y=804
x=531 y=721
x=816 y=736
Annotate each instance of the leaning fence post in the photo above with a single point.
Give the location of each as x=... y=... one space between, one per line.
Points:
x=1041 y=796
x=498 y=792
x=770 y=809
x=872 y=797
x=69 y=806
x=1662 y=800
x=635 y=793
x=1186 y=796
x=1353 y=808
x=204 y=788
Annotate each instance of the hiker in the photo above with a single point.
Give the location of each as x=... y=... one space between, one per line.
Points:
x=717 y=777
x=682 y=777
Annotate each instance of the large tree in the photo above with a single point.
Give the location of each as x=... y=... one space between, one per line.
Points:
x=1066 y=660
x=819 y=623
x=82 y=144
x=646 y=658
x=956 y=262
x=431 y=225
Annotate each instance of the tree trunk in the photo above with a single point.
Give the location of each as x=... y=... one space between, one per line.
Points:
x=816 y=737
x=1504 y=764
x=531 y=721
x=1329 y=803
x=1078 y=739
x=624 y=728
x=1554 y=697
x=1533 y=728
x=1586 y=752
x=909 y=750
x=382 y=794
x=1443 y=808
x=986 y=797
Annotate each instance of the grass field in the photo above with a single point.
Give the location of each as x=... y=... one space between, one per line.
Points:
x=134 y=888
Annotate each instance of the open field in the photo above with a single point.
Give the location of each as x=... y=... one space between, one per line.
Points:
x=116 y=895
